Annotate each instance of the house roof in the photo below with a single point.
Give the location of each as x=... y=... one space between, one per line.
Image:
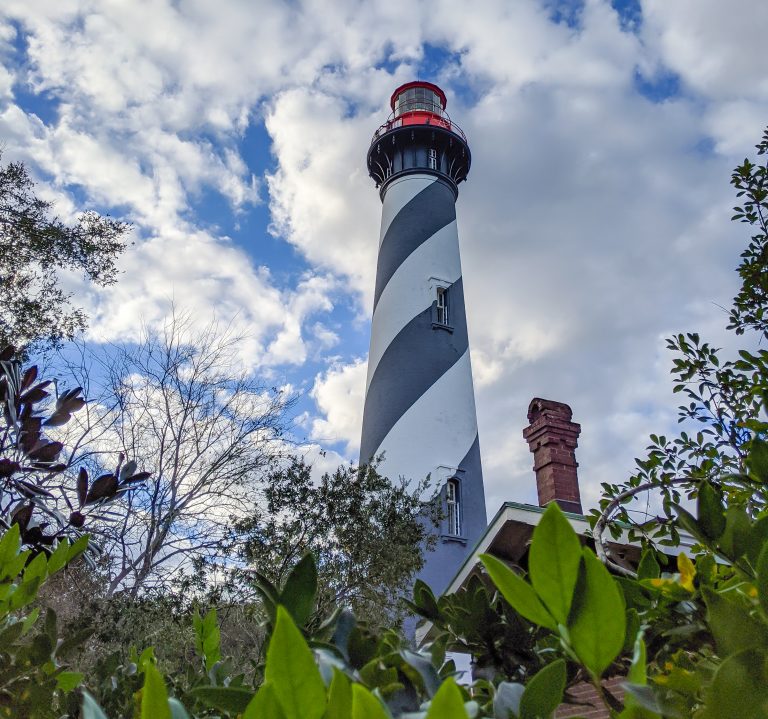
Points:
x=509 y=533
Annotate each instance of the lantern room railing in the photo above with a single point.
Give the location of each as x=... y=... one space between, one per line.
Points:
x=418 y=113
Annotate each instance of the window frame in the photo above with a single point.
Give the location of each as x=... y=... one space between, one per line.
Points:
x=453 y=507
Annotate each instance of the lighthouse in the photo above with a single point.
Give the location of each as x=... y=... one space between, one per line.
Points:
x=419 y=401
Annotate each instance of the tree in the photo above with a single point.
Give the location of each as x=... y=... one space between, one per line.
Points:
x=181 y=402
x=34 y=248
x=367 y=534
x=36 y=494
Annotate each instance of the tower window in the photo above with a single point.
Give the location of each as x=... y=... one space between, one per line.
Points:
x=432 y=158
x=442 y=306
x=453 y=506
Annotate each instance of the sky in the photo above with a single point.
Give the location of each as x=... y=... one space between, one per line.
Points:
x=233 y=135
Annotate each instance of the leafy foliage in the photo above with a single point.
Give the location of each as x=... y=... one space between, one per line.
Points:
x=366 y=533
x=34 y=493
x=34 y=247
x=34 y=680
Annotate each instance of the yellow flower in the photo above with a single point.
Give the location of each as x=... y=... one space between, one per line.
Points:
x=687 y=571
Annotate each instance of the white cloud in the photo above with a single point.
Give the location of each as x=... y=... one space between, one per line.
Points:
x=594 y=221
x=714 y=46
x=339 y=393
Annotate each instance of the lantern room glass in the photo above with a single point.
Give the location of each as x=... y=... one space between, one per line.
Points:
x=418 y=98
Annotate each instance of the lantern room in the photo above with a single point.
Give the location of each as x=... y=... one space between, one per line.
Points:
x=418 y=137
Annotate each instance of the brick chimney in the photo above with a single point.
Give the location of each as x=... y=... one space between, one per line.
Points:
x=553 y=438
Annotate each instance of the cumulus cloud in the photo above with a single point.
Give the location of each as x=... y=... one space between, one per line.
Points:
x=593 y=224
x=339 y=394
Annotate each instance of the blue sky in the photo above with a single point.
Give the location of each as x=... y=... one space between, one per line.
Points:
x=233 y=136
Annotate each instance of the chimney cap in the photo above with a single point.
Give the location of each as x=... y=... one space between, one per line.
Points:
x=548 y=407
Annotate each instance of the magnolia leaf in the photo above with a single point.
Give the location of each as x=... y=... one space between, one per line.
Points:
x=339 y=697
x=555 y=556
x=448 y=702
x=300 y=590
x=520 y=595
x=597 y=625
x=154 y=696
x=292 y=671
x=544 y=692
x=265 y=705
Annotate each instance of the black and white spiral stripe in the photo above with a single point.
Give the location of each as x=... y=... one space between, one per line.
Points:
x=420 y=405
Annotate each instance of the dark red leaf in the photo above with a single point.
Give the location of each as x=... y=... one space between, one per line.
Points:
x=21 y=515
x=7 y=353
x=104 y=486
x=46 y=453
x=58 y=418
x=82 y=486
x=7 y=468
x=31 y=490
x=138 y=477
x=29 y=377
x=36 y=394
x=30 y=441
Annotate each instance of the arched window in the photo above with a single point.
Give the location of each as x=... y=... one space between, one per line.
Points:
x=453 y=506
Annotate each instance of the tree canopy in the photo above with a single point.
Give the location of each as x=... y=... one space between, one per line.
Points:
x=36 y=247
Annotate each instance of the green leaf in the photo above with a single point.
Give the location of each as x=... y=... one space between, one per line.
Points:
x=598 y=623
x=25 y=593
x=365 y=705
x=67 y=681
x=648 y=568
x=292 y=671
x=90 y=708
x=10 y=544
x=30 y=619
x=230 y=699
x=544 y=692
x=555 y=556
x=300 y=590
x=689 y=523
x=739 y=688
x=36 y=569
x=633 y=708
x=757 y=459
x=59 y=557
x=710 y=511
x=207 y=637
x=448 y=703
x=265 y=705
x=423 y=665
x=339 y=697
x=762 y=578
x=154 y=696
x=77 y=548
x=736 y=539
x=731 y=624
x=520 y=595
